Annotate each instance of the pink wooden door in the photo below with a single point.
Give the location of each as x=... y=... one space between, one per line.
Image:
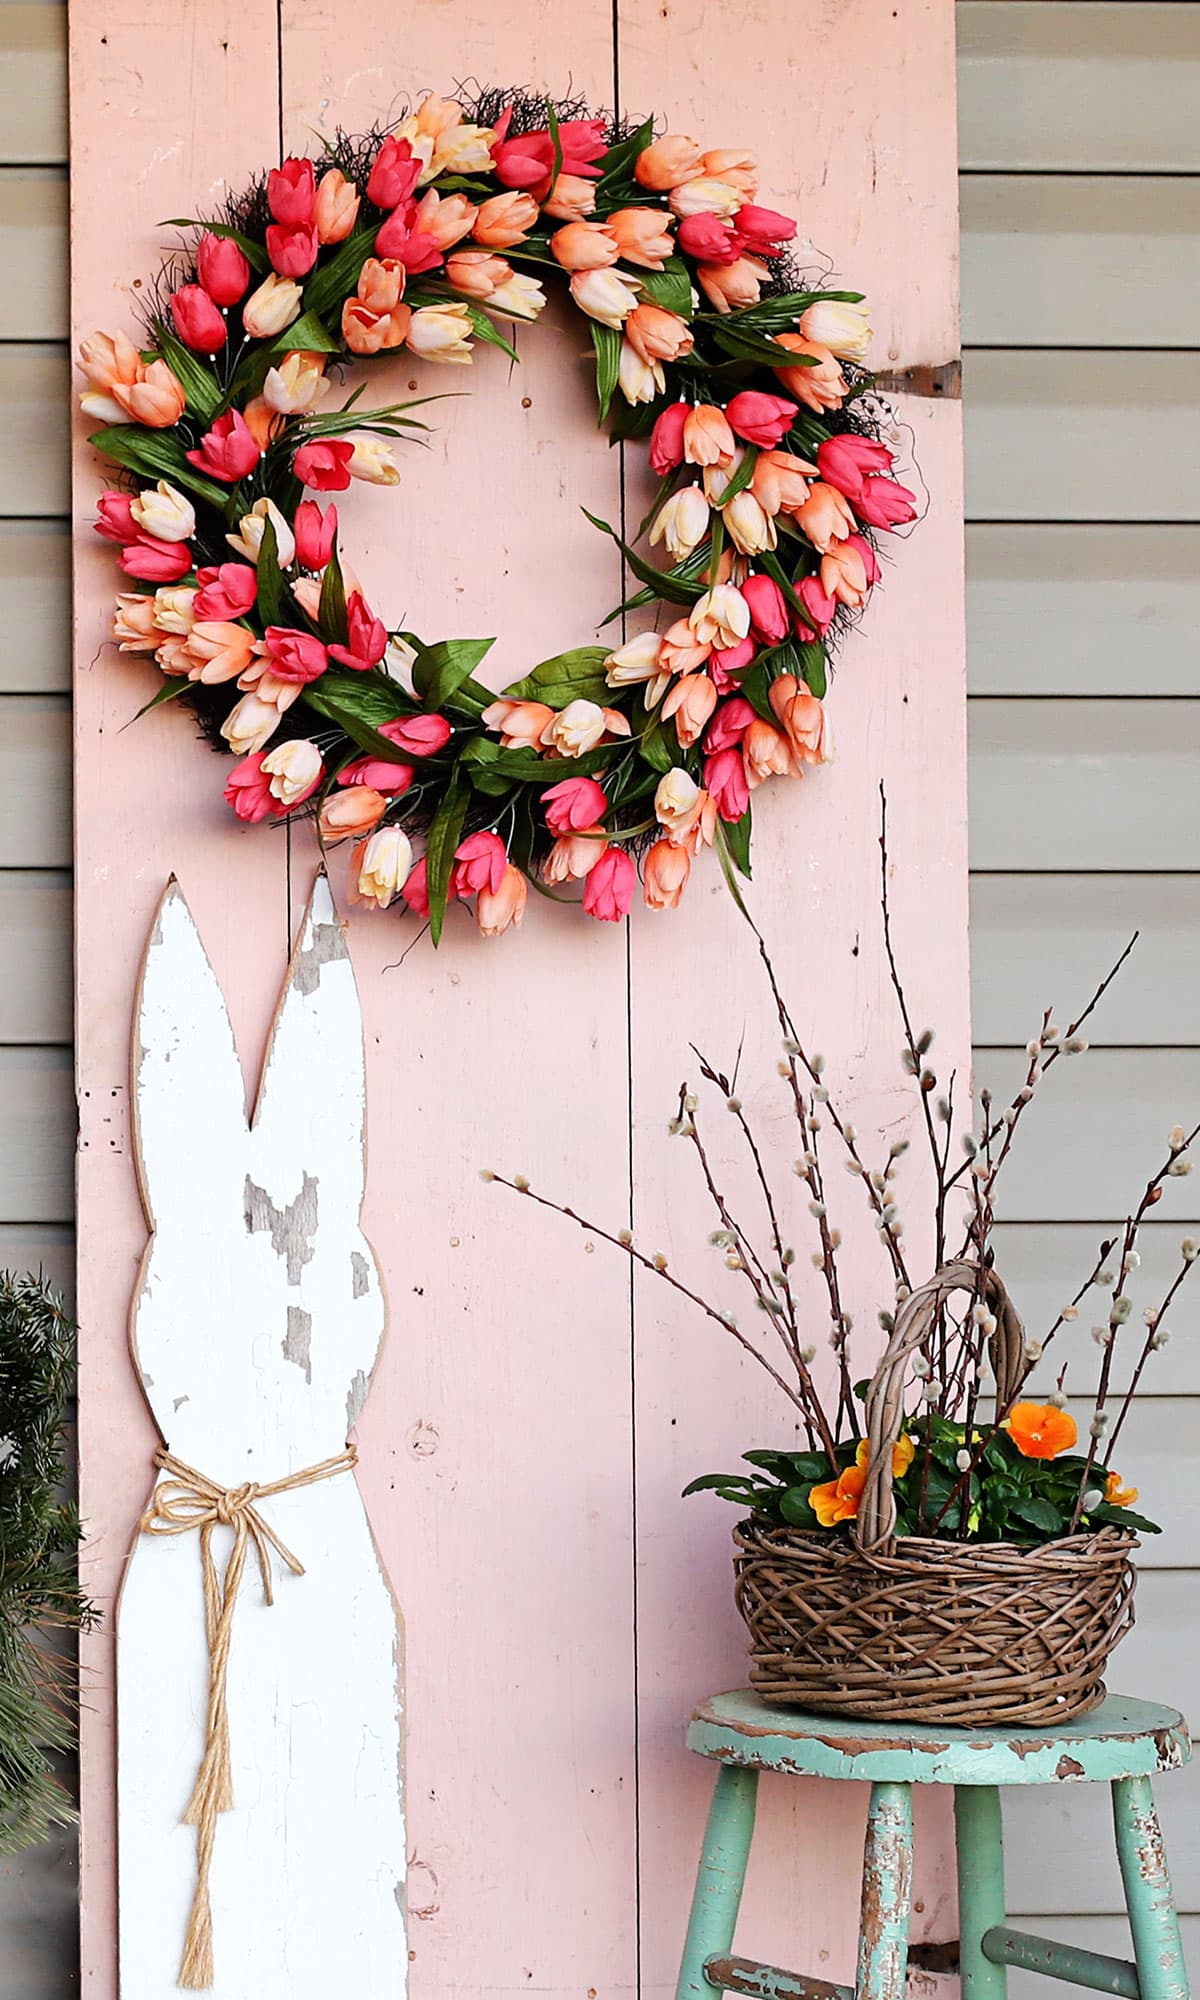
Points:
x=535 y=1415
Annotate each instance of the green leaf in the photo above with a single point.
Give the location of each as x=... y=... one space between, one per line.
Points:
x=273 y=603
x=811 y=655
x=254 y=253
x=726 y=860
x=335 y=279
x=170 y=691
x=737 y=837
x=607 y=343
x=159 y=454
x=445 y=832
x=306 y=335
x=661 y=753
x=670 y=288
x=200 y=385
x=619 y=159
x=1040 y=1513
x=744 y=345
x=331 y=612
x=796 y=1507
x=526 y=767
x=574 y=676
x=439 y=671
x=1123 y=1517
x=672 y=586
x=487 y=330
x=742 y=477
x=712 y=1482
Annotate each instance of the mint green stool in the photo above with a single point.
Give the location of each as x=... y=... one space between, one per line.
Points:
x=1123 y=1743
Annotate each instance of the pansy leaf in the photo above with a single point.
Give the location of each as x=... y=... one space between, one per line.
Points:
x=796 y=1507
x=1123 y=1517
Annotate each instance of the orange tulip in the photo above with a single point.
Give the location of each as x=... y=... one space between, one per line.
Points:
x=1040 y=1431
x=802 y=718
x=766 y=752
x=825 y=517
x=707 y=437
x=585 y=246
x=844 y=576
x=517 y=722
x=157 y=400
x=351 y=813
x=681 y=652
x=733 y=164
x=498 y=910
x=215 y=651
x=108 y=359
x=664 y=875
x=837 y=1500
x=691 y=701
x=571 y=199
x=728 y=287
x=367 y=332
x=505 y=220
x=477 y=273
x=667 y=162
x=445 y=217
x=574 y=855
x=657 y=335
x=381 y=284
x=780 y=481
x=1117 y=1495
x=643 y=236
x=821 y=387
x=261 y=421
x=336 y=208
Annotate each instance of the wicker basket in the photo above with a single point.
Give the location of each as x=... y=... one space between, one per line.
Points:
x=917 y=1630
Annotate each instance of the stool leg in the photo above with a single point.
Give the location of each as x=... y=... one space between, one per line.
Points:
x=979 y=1837
x=721 y=1877
x=886 y=1895
x=1162 y=1974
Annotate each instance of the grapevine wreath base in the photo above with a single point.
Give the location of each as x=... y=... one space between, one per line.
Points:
x=431 y=237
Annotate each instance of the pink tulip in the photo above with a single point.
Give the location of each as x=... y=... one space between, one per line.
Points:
x=227 y=591
x=393 y=780
x=870 y=561
x=502 y=908
x=416 y=889
x=525 y=163
x=768 y=610
x=366 y=636
x=581 y=142
x=725 y=781
x=294 y=657
x=664 y=875
x=228 y=451
x=293 y=252
x=324 y=465
x=759 y=418
x=394 y=175
x=689 y=703
x=609 y=886
x=479 y=863
x=292 y=192
x=222 y=269
x=709 y=240
x=335 y=210
x=116 y=522
x=729 y=724
x=198 y=322
x=419 y=735
x=504 y=221
x=725 y=663
x=884 y=503
x=152 y=561
x=574 y=804
x=846 y=461
x=818 y=605
x=666 y=439
x=764 y=229
x=417 y=249
x=249 y=789
x=315 y=534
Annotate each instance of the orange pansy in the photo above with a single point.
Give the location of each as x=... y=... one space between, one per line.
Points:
x=1040 y=1431
x=903 y=1453
x=1118 y=1495
x=837 y=1500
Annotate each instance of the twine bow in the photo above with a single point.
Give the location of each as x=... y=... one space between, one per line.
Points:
x=187 y=1501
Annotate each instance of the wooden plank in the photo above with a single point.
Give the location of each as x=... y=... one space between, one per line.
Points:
x=1041 y=939
x=34 y=427
x=33 y=84
x=35 y=580
x=1079 y=85
x=1044 y=1264
x=35 y=926
x=35 y=782
x=1100 y=784
x=37 y=1158
x=1057 y=609
x=1065 y=260
x=33 y=250
x=1098 y=1128
x=1059 y=1841
x=1040 y=432
x=50 y=1248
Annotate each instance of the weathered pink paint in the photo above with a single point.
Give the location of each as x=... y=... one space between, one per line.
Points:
x=534 y=1417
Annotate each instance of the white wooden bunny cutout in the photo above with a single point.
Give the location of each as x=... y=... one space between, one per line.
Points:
x=256 y=1325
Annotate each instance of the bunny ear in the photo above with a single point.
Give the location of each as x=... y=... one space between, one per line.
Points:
x=309 y=1115
x=189 y=1094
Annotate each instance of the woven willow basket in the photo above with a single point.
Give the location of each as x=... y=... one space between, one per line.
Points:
x=916 y=1630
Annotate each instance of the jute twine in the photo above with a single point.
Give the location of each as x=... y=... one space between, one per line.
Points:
x=185 y=1501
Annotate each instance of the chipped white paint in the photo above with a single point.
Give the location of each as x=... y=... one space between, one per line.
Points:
x=256 y=1325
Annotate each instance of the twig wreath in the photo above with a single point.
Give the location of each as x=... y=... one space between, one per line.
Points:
x=772 y=477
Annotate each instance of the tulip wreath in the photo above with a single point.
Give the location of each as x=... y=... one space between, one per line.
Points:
x=429 y=238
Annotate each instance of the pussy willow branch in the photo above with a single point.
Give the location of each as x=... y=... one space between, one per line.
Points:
x=1149 y=1345
x=925 y=1079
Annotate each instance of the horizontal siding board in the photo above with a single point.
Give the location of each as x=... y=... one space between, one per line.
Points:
x=33 y=84
x=1079 y=261
x=1096 y=1129
x=1095 y=435
x=1080 y=85
x=51 y=1250
x=39 y=1920
x=35 y=783
x=37 y=1157
x=33 y=253
x=1059 y=1838
x=35 y=589
x=1047 y=940
x=1043 y=1266
x=34 y=430
x=1056 y=608
x=35 y=948
x=1084 y=785
x=1157 y=1454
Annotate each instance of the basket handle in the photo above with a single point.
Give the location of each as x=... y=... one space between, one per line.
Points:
x=876 y=1516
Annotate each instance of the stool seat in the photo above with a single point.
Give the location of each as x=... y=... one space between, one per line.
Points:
x=1122 y=1738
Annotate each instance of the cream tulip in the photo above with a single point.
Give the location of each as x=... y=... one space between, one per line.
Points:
x=272 y=307
x=298 y=384
x=518 y=297
x=639 y=381
x=250 y=725
x=635 y=661
x=607 y=295
x=576 y=728
x=163 y=511
x=384 y=865
x=706 y=196
x=682 y=522
x=294 y=769
x=750 y=527
x=248 y=539
x=173 y=610
x=372 y=461
x=843 y=328
x=721 y=617
x=442 y=333
x=675 y=796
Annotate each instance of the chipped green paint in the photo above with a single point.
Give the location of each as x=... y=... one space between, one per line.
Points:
x=1122 y=1743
